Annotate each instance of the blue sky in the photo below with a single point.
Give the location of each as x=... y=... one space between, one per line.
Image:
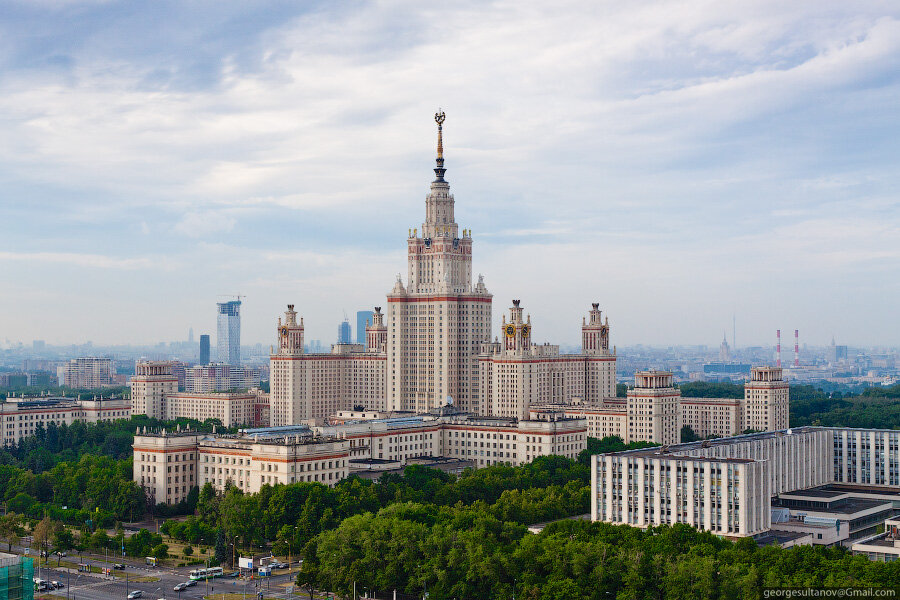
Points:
x=677 y=162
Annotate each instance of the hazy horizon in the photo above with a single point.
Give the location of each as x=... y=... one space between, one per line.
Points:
x=678 y=164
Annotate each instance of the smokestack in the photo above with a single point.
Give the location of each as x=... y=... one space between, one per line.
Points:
x=796 y=347
x=778 y=348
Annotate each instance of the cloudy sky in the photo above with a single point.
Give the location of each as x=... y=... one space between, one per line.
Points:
x=680 y=163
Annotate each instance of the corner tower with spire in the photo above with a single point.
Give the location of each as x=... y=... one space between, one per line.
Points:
x=439 y=318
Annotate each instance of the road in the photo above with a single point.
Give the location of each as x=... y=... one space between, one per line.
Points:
x=100 y=587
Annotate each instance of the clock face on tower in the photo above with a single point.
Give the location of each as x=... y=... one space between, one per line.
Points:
x=510 y=330
x=284 y=332
x=525 y=330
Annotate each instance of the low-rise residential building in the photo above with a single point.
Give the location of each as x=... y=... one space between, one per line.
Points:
x=232 y=409
x=21 y=416
x=293 y=453
x=168 y=464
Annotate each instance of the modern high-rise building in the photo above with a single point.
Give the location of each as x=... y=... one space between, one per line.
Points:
x=229 y=332
x=345 y=333
x=191 y=335
x=363 y=319
x=204 y=349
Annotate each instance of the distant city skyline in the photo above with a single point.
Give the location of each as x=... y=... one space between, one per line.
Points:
x=739 y=161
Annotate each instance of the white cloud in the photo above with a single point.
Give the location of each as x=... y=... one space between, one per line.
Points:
x=94 y=261
x=704 y=139
x=205 y=223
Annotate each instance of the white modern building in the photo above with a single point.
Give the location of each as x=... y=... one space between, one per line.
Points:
x=727 y=485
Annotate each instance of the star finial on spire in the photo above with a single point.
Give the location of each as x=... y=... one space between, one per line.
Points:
x=439 y=118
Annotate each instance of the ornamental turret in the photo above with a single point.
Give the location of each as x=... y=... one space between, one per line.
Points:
x=376 y=332
x=517 y=331
x=290 y=333
x=595 y=332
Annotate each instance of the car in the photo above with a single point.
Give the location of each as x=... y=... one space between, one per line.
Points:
x=56 y=584
x=135 y=594
x=119 y=566
x=179 y=587
x=191 y=583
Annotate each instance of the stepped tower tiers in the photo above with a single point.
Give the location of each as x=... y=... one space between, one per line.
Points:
x=439 y=318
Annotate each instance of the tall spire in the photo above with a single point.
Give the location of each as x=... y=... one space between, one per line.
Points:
x=439 y=171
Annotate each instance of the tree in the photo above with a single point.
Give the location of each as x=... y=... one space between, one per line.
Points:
x=62 y=540
x=11 y=529
x=221 y=551
x=188 y=550
x=43 y=533
x=161 y=551
x=688 y=435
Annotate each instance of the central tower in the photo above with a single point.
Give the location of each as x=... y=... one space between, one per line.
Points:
x=438 y=320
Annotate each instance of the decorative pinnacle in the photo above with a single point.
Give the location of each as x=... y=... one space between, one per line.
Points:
x=439 y=118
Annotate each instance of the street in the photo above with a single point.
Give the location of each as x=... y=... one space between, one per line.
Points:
x=100 y=587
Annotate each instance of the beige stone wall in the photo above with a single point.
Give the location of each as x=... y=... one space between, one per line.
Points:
x=18 y=421
x=231 y=409
x=166 y=465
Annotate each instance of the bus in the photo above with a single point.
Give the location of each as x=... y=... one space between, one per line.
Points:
x=198 y=574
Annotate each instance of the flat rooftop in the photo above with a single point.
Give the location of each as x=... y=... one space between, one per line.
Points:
x=778 y=537
x=881 y=541
x=850 y=506
x=818 y=492
x=677 y=450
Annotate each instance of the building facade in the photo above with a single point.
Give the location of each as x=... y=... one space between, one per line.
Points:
x=316 y=386
x=724 y=486
x=232 y=409
x=228 y=339
x=655 y=411
x=204 y=349
x=765 y=400
x=21 y=416
x=167 y=464
x=220 y=377
x=362 y=322
x=516 y=374
x=87 y=373
x=151 y=383
x=653 y=408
